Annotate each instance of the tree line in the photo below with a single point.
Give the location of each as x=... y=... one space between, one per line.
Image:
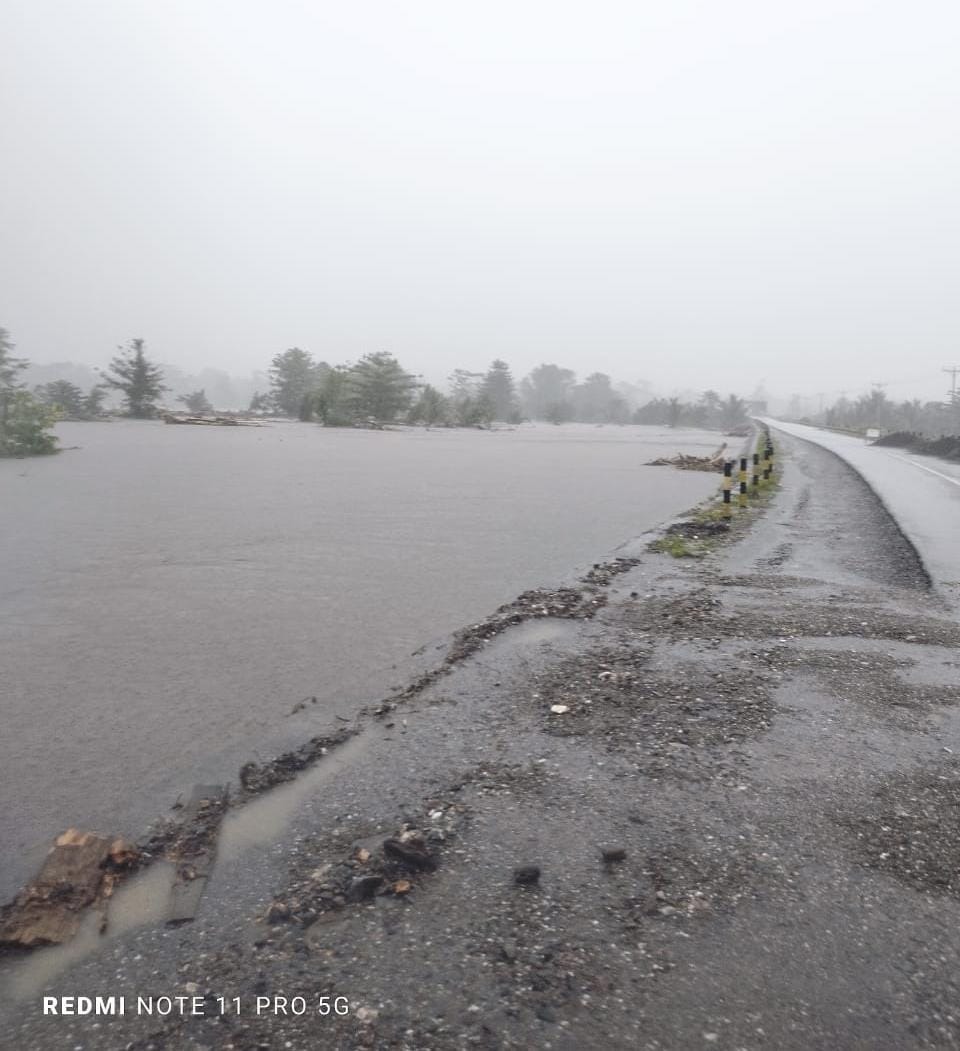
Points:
x=373 y=391
x=378 y=388
x=932 y=419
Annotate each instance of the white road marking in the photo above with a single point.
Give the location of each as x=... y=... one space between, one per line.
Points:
x=923 y=467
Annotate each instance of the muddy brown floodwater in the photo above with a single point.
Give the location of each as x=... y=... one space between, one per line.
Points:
x=169 y=595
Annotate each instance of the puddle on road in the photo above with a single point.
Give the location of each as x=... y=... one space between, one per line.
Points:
x=138 y=903
x=144 y=899
x=264 y=819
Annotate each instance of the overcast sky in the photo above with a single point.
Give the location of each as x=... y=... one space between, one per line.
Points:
x=697 y=194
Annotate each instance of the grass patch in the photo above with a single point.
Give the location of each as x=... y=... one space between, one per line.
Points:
x=680 y=546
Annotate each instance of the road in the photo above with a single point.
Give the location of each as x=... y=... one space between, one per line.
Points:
x=921 y=492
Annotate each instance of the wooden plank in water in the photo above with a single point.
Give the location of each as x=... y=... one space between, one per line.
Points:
x=195 y=851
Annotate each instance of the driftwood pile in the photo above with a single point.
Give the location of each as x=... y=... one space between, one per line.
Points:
x=209 y=421
x=693 y=463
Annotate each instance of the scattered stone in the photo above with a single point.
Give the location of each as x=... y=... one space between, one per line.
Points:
x=365 y=887
x=613 y=854
x=413 y=853
x=278 y=912
x=526 y=874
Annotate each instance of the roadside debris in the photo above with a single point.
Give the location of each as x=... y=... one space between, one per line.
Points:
x=217 y=420
x=258 y=777
x=80 y=870
x=194 y=850
x=692 y=463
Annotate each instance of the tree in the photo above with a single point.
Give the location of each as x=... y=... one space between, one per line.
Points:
x=464 y=384
x=710 y=403
x=69 y=401
x=466 y=407
x=93 y=402
x=293 y=374
x=558 y=412
x=140 y=380
x=380 y=389
x=733 y=412
x=431 y=408
x=595 y=401
x=260 y=403
x=498 y=391
x=197 y=402
x=24 y=423
x=333 y=401
x=65 y=397
x=547 y=387
x=10 y=367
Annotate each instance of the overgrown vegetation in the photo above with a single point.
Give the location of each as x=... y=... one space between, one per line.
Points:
x=946 y=447
x=24 y=421
x=931 y=419
x=69 y=402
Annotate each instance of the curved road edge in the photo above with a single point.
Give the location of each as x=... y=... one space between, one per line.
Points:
x=924 y=500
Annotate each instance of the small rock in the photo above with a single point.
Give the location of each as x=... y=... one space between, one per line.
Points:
x=526 y=874
x=412 y=853
x=402 y=886
x=559 y=709
x=546 y=1013
x=613 y=854
x=364 y=887
x=278 y=913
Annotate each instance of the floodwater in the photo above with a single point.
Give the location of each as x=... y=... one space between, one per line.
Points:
x=169 y=594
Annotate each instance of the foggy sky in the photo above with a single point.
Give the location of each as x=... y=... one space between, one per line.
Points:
x=696 y=194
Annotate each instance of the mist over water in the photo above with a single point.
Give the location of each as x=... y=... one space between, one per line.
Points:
x=170 y=593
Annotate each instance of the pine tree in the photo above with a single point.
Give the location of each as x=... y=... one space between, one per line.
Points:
x=140 y=380
x=380 y=387
x=498 y=390
x=64 y=396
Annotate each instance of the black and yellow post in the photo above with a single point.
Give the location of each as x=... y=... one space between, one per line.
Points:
x=756 y=470
x=727 y=485
x=742 y=501
x=769 y=461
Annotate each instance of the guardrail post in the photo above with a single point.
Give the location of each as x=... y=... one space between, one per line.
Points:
x=727 y=485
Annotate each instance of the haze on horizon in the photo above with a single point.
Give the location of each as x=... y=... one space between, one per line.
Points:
x=693 y=195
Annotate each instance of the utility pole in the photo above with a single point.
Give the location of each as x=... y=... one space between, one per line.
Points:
x=954 y=370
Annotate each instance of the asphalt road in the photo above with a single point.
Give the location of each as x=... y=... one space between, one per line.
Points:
x=921 y=492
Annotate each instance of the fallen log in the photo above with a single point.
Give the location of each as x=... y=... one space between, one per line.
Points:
x=79 y=871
